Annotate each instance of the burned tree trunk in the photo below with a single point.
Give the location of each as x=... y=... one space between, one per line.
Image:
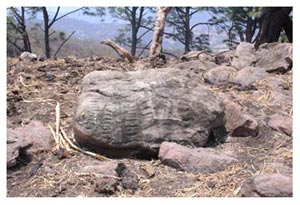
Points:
x=156 y=47
x=121 y=51
x=272 y=21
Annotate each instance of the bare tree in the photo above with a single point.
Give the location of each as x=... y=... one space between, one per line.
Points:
x=19 y=25
x=48 y=23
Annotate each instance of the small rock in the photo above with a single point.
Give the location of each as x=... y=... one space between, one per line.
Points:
x=281 y=123
x=249 y=75
x=238 y=122
x=244 y=56
x=219 y=75
x=268 y=185
x=99 y=167
x=106 y=185
x=28 y=57
x=28 y=140
x=148 y=170
x=224 y=58
x=197 y=160
x=129 y=178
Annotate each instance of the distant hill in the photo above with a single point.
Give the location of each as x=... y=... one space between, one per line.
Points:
x=87 y=31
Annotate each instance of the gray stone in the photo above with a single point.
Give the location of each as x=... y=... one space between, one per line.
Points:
x=131 y=114
x=279 y=88
x=268 y=185
x=225 y=58
x=28 y=140
x=248 y=76
x=238 y=122
x=196 y=160
x=281 y=123
x=100 y=168
x=195 y=65
x=28 y=57
x=276 y=57
x=244 y=56
x=219 y=75
x=106 y=185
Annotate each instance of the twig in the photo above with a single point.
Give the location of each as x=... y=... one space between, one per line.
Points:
x=57 y=112
x=62 y=44
x=98 y=175
x=53 y=133
x=73 y=146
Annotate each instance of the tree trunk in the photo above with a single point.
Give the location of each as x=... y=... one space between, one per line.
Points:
x=46 y=32
x=272 y=21
x=187 y=34
x=250 y=26
x=161 y=15
x=25 y=37
x=134 y=31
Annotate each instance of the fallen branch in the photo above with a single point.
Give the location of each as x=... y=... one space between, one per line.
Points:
x=121 y=51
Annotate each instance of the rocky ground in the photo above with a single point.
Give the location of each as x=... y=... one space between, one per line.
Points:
x=259 y=141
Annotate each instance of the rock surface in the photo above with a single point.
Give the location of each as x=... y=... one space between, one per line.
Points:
x=281 y=123
x=219 y=75
x=238 y=122
x=131 y=114
x=249 y=75
x=195 y=65
x=28 y=140
x=196 y=160
x=244 y=56
x=268 y=185
x=275 y=57
x=28 y=57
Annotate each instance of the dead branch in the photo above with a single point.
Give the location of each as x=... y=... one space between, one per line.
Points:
x=63 y=43
x=121 y=51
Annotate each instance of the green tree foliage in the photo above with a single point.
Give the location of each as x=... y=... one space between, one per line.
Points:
x=239 y=23
x=48 y=24
x=179 y=20
x=136 y=19
x=201 y=42
x=17 y=35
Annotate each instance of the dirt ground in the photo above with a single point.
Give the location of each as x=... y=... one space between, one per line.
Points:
x=33 y=90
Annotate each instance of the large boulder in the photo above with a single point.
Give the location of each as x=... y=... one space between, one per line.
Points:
x=268 y=185
x=195 y=160
x=131 y=114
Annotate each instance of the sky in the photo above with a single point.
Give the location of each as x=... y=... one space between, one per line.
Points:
x=108 y=19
